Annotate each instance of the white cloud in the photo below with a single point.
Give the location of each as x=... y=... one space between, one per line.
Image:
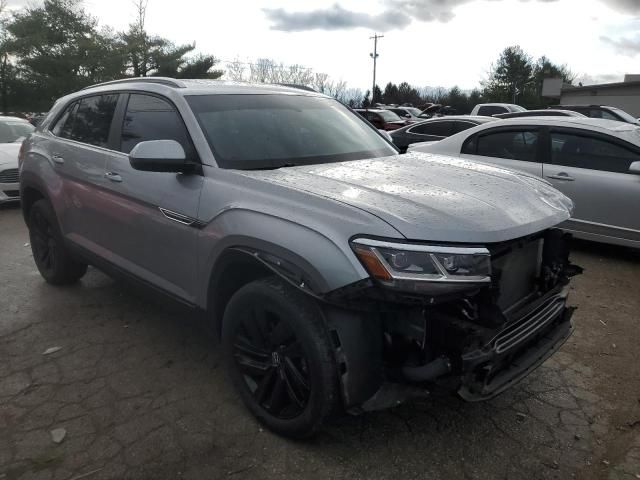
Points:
x=459 y=51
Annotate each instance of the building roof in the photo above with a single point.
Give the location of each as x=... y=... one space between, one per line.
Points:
x=601 y=86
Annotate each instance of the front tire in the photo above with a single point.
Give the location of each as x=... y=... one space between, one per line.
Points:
x=54 y=261
x=279 y=356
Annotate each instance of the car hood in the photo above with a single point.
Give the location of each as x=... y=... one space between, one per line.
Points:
x=434 y=197
x=9 y=154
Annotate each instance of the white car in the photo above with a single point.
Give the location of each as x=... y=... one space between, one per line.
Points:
x=594 y=162
x=490 y=109
x=12 y=131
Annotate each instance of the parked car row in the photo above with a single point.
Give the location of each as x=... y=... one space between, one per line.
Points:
x=381 y=118
x=594 y=162
x=435 y=129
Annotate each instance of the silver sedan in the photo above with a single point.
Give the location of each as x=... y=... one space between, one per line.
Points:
x=594 y=162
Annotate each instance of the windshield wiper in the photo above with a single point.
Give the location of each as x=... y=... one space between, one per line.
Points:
x=274 y=167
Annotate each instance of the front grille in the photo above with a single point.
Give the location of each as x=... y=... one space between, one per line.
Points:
x=9 y=176
x=529 y=324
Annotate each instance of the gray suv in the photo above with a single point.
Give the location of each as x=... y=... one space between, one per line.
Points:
x=337 y=274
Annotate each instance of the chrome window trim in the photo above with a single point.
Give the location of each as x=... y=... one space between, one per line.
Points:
x=87 y=145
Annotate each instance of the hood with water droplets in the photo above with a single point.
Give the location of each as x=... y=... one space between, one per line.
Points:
x=434 y=197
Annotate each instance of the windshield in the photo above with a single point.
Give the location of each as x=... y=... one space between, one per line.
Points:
x=272 y=131
x=389 y=116
x=624 y=115
x=413 y=111
x=13 y=131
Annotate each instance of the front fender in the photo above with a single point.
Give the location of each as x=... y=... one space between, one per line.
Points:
x=323 y=264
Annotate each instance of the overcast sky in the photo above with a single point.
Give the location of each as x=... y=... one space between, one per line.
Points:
x=426 y=42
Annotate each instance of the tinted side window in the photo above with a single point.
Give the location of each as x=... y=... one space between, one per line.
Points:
x=92 y=120
x=593 y=153
x=470 y=145
x=491 y=110
x=439 y=129
x=521 y=145
x=152 y=118
x=582 y=110
x=462 y=126
x=605 y=114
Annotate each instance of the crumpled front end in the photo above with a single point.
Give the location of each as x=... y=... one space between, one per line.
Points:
x=478 y=341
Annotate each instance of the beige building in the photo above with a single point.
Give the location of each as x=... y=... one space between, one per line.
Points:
x=624 y=95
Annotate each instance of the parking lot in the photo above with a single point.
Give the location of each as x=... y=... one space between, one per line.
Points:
x=137 y=388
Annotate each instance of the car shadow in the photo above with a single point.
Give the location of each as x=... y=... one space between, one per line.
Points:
x=606 y=251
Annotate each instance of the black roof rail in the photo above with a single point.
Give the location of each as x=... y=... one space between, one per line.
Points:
x=169 y=82
x=298 y=86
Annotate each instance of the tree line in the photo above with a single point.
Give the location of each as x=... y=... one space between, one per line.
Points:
x=56 y=48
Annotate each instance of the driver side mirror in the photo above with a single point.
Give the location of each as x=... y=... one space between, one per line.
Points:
x=158 y=156
x=635 y=168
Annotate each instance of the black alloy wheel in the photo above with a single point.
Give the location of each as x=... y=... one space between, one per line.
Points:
x=54 y=261
x=279 y=356
x=272 y=363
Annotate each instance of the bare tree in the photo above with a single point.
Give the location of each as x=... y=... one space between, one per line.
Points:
x=235 y=70
x=320 y=81
x=141 y=10
x=261 y=70
x=336 y=89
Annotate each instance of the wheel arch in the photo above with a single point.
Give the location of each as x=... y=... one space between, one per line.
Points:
x=239 y=265
x=30 y=193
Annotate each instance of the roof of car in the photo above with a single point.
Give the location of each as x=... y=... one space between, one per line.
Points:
x=581 y=121
x=206 y=86
x=12 y=119
x=481 y=118
x=497 y=105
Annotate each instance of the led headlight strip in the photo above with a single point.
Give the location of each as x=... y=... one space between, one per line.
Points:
x=389 y=262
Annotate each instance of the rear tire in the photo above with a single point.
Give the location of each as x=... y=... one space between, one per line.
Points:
x=53 y=259
x=279 y=356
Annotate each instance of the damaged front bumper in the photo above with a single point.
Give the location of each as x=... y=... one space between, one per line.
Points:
x=517 y=350
x=476 y=344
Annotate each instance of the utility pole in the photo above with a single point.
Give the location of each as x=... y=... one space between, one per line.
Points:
x=374 y=55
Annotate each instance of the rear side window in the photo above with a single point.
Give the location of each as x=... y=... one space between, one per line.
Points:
x=582 y=151
x=88 y=120
x=152 y=118
x=514 y=145
x=491 y=110
x=438 y=129
x=462 y=126
x=597 y=113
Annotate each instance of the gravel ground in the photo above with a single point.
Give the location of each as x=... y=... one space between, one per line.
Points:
x=136 y=391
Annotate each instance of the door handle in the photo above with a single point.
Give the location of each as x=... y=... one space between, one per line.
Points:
x=113 y=176
x=562 y=176
x=57 y=159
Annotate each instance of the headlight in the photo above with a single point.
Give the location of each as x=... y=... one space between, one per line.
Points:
x=430 y=269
